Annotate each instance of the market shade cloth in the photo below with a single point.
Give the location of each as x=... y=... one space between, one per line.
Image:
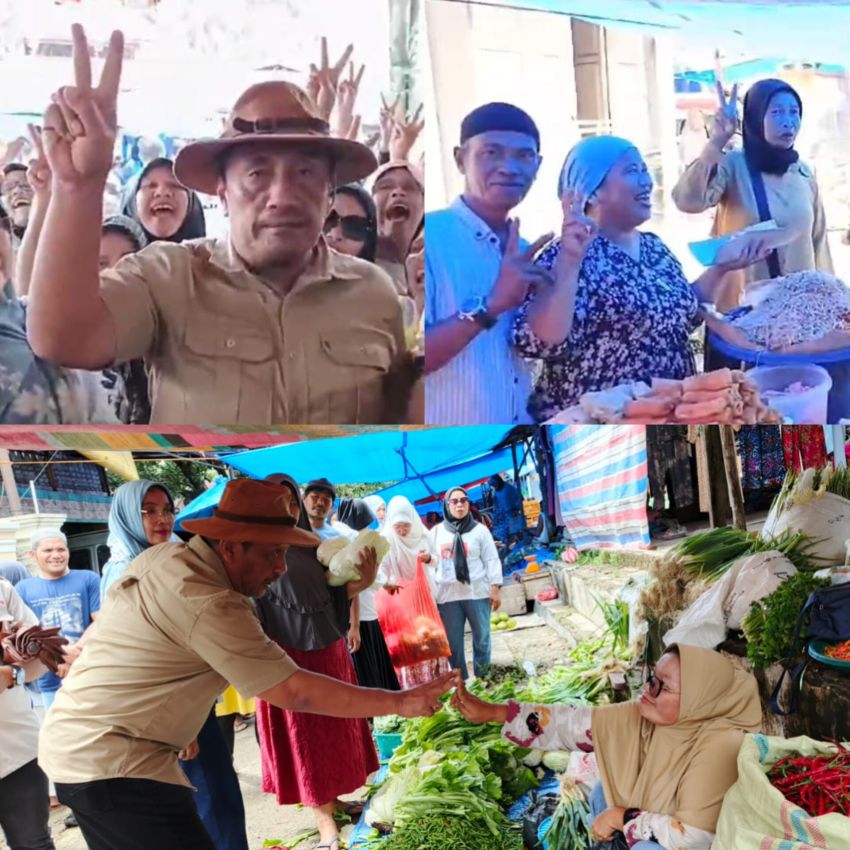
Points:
x=436 y=482
x=601 y=482
x=376 y=457
x=119 y=463
x=202 y=507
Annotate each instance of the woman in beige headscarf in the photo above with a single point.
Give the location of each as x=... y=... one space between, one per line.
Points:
x=666 y=760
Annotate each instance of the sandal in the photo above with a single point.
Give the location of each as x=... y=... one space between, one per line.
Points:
x=353 y=809
x=333 y=845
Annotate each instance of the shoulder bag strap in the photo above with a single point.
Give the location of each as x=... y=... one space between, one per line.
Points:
x=764 y=214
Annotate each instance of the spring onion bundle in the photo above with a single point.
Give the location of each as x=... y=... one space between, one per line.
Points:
x=569 y=828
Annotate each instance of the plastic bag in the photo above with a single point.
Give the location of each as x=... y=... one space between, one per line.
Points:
x=725 y=605
x=755 y=814
x=411 y=623
x=824 y=518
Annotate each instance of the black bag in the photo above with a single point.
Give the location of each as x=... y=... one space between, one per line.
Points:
x=764 y=215
x=618 y=842
x=829 y=621
x=543 y=807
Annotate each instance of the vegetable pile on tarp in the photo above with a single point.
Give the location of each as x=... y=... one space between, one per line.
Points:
x=819 y=785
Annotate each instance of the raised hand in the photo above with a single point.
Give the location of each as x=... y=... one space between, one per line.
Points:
x=517 y=273
x=346 y=97
x=38 y=171
x=726 y=118
x=476 y=710
x=425 y=700
x=577 y=231
x=404 y=135
x=81 y=123
x=324 y=80
x=389 y=115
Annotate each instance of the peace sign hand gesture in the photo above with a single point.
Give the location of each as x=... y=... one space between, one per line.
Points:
x=404 y=135
x=577 y=231
x=81 y=124
x=38 y=171
x=324 y=80
x=517 y=273
x=726 y=118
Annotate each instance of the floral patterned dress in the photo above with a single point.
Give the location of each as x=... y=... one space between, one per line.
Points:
x=632 y=322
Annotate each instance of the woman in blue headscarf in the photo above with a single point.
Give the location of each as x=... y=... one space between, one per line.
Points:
x=619 y=307
x=142 y=515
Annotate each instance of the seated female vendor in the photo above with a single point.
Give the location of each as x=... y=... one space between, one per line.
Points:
x=666 y=760
x=619 y=307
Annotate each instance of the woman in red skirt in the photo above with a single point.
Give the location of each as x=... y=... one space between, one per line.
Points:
x=307 y=758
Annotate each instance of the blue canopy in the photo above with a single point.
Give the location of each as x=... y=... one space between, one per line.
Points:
x=372 y=458
x=202 y=507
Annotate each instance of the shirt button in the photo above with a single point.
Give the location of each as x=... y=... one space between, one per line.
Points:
x=231 y=343
x=291 y=355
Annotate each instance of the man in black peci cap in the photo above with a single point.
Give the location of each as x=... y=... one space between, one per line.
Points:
x=319 y=497
x=477 y=273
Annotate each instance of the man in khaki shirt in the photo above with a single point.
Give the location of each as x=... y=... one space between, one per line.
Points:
x=179 y=626
x=267 y=327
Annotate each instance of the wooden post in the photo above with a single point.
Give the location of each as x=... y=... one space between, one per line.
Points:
x=719 y=511
x=733 y=476
x=8 y=476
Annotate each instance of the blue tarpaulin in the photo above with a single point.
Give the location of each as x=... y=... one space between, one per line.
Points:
x=372 y=458
x=202 y=507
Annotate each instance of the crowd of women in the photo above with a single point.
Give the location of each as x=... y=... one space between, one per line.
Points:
x=379 y=220
x=606 y=302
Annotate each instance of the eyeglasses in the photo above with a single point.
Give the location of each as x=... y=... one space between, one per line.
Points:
x=353 y=227
x=656 y=685
x=168 y=513
x=461 y=501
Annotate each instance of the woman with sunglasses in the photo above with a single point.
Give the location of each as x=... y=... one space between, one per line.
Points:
x=141 y=516
x=468 y=576
x=352 y=226
x=666 y=759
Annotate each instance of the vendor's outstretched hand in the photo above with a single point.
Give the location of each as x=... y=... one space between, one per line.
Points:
x=607 y=823
x=476 y=710
x=425 y=700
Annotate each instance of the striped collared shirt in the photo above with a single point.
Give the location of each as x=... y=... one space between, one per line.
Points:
x=487 y=382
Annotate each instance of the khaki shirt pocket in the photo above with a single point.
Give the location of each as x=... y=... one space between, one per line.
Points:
x=347 y=378
x=229 y=371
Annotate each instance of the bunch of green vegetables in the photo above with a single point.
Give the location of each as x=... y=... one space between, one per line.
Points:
x=709 y=554
x=799 y=488
x=569 y=828
x=771 y=622
x=448 y=832
x=391 y=724
x=616 y=614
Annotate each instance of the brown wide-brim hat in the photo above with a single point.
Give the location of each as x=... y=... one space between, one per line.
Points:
x=273 y=111
x=254 y=512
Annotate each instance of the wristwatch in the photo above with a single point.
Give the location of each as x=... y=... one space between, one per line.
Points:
x=475 y=310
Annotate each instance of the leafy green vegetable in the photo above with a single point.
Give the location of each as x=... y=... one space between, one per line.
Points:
x=392 y=724
x=449 y=832
x=770 y=624
x=570 y=825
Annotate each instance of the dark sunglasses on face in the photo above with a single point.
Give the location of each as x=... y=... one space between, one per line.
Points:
x=462 y=501
x=353 y=227
x=656 y=685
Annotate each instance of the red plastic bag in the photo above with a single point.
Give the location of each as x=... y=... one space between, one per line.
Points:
x=411 y=623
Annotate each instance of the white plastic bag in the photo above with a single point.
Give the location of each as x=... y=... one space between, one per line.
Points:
x=826 y=519
x=725 y=605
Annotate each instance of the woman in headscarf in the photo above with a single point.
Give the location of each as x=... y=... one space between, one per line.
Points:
x=379 y=508
x=666 y=759
x=409 y=540
x=468 y=580
x=726 y=179
x=352 y=226
x=365 y=638
x=141 y=516
x=166 y=212
x=308 y=759
x=615 y=305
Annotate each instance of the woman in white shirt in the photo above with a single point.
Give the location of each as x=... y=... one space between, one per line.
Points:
x=408 y=539
x=468 y=578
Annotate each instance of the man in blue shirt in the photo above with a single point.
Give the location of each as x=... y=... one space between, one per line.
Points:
x=319 y=497
x=508 y=516
x=60 y=597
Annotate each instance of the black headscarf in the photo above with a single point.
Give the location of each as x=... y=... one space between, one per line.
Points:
x=194 y=225
x=356 y=191
x=458 y=527
x=355 y=513
x=763 y=156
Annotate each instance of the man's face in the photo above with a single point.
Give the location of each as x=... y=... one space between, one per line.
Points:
x=52 y=556
x=17 y=197
x=278 y=198
x=399 y=199
x=319 y=504
x=458 y=504
x=499 y=166
x=252 y=567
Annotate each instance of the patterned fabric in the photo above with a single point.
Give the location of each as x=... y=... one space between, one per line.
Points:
x=132 y=397
x=762 y=459
x=568 y=727
x=804 y=446
x=632 y=322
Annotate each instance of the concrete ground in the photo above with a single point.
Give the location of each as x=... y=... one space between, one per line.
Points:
x=532 y=641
